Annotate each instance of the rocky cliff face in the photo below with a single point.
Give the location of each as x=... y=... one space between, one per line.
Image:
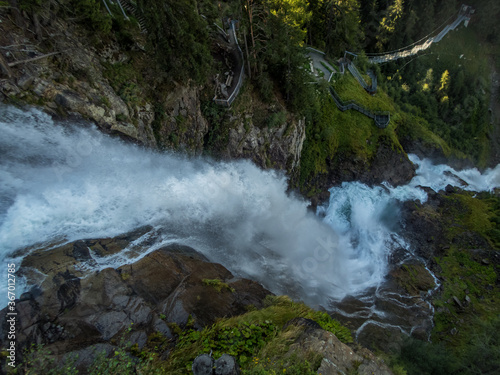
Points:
x=114 y=85
x=389 y=165
x=279 y=147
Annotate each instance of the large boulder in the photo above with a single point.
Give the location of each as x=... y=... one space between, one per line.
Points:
x=77 y=304
x=338 y=358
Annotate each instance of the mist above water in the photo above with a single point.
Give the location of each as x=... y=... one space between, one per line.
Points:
x=65 y=181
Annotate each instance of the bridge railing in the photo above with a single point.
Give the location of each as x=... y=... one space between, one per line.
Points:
x=227 y=102
x=355 y=72
x=464 y=15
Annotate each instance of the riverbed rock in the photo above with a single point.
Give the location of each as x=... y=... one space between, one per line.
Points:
x=386 y=165
x=73 y=306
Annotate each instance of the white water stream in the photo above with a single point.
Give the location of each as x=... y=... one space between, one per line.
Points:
x=68 y=181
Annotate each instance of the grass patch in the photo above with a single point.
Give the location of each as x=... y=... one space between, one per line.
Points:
x=256 y=339
x=218 y=285
x=349 y=89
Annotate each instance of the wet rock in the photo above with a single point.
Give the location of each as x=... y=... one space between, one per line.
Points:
x=74 y=308
x=375 y=337
x=81 y=251
x=460 y=181
x=308 y=323
x=413 y=278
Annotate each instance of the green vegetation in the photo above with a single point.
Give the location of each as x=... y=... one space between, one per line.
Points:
x=470 y=277
x=90 y=13
x=218 y=285
x=124 y=79
x=38 y=360
x=448 y=87
x=331 y=133
x=480 y=355
x=414 y=278
x=178 y=38
x=256 y=339
x=466 y=335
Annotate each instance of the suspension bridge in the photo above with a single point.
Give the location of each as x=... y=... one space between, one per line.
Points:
x=464 y=15
x=382 y=119
x=320 y=64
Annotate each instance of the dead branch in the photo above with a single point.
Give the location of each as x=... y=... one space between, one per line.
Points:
x=33 y=59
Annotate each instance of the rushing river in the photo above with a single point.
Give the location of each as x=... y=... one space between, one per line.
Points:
x=63 y=181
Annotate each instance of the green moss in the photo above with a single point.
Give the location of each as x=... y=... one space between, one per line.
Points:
x=416 y=129
x=218 y=285
x=349 y=89
x=468 y=276
x=333 y=133
x=414 y=278
x=464 y=211
x=125 y=80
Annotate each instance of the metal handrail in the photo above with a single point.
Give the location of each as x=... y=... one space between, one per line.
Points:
x=381 y=118
x=227 y=102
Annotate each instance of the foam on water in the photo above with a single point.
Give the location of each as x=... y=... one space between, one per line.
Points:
x=68 y=181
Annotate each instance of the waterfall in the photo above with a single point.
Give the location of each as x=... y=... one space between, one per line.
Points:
x=65 y=180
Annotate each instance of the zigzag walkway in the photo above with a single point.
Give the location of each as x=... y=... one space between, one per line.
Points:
x=371 y=89
x=381 y=119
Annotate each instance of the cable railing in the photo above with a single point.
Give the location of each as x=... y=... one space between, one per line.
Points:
x=381 y=118
x=371 y=89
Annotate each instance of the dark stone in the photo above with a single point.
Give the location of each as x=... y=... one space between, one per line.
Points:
x=25 y=81
x=81 y=251
x=184 y=250
x=226 y=365
x=450 y=189
x=69 y=100
x=203 y=365
x=77 y=310
x=69 y=291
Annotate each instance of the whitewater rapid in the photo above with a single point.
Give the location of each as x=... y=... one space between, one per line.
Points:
x=64 y=181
